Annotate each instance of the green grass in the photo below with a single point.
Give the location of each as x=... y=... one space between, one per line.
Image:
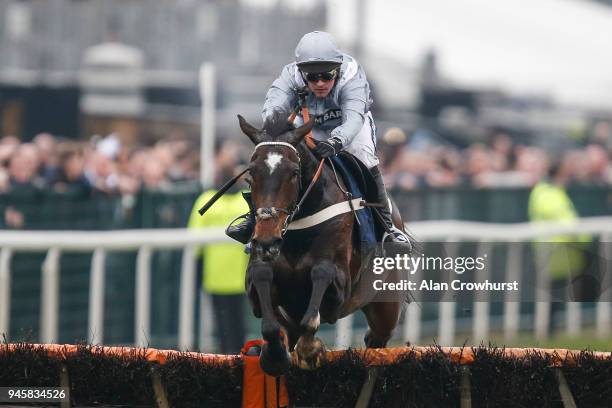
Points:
x=587 y=340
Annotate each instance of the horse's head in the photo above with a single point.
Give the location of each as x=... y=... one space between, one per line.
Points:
x=275 y=180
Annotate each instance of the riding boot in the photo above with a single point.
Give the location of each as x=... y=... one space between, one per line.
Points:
x=242 y=232
x=393 y=233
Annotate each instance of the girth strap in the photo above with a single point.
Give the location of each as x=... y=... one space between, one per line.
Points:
x=326 y=214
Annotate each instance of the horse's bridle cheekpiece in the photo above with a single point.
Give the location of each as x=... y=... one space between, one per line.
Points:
x=265 y=213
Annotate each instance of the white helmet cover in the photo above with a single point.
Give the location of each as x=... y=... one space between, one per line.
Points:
x=317 y=52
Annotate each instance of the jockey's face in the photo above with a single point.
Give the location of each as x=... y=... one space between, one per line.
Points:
x=321 y=88
x=321 y=84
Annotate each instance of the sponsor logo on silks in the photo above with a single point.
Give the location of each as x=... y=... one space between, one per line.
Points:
x=329 y=115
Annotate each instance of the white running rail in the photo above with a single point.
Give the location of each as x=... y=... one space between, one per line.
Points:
x=145 y=241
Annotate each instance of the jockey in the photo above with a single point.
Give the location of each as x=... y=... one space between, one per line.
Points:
x=338 y=97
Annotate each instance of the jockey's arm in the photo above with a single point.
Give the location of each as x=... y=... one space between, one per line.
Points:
x=354 y=98
x=281 y=95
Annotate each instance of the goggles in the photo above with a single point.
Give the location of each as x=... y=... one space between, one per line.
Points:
x=325 y=76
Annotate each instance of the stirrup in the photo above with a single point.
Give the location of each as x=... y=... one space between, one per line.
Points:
x=396 y=235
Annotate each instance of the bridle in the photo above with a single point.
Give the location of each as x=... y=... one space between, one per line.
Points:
x=265 y=213
x=269 y=212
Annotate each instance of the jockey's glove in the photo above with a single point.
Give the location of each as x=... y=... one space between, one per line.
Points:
x=327 y=148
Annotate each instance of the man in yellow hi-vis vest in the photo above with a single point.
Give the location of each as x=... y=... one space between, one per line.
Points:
x=224 y=267
x=567 y=255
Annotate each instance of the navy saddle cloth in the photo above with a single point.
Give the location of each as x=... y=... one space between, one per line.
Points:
x=360 y=183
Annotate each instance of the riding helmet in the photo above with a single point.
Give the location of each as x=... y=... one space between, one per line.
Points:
x=317 y=52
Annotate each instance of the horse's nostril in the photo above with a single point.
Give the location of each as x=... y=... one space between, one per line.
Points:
x=268 y=249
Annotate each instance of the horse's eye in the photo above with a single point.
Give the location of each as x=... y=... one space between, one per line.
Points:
x=248 y=180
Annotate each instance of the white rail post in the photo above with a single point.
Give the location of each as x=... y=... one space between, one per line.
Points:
x=207 y=323
x=480 y=320
x=187 y=299
x=542 y=291
x=49 y=305
x=411 y=331
x=5 y=291
x=344 y=332
x=573 y=318
x=96 y=297
x=604 y=306
x=207 y=123
x=512 y=305
x=412 y=323
x=446 y=321
x=142 y=324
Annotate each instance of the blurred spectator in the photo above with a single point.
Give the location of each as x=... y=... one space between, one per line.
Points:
x=24 y=184
x=71 y=171
x=602 y=134
x=154 y=175
x=566 y=259
x=8 y=146
x=224 y=265
x=390 y=145
x=101 y=173
x=531 y=164
x=49 y=168
x=479 y=166
x=230 y=155
x=407 y=170
x=600 y=170
x=446 y=172
x=23 y=168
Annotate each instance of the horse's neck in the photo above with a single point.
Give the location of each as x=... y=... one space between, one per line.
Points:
x=325 y=191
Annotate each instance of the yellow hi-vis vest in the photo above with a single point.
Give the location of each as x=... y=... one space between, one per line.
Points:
x=224 y=264
x=550 y=202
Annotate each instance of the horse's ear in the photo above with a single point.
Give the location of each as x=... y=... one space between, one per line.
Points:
x=252 y=132
x=299 y=133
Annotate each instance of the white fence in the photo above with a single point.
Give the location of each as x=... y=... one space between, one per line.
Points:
x=145 y=241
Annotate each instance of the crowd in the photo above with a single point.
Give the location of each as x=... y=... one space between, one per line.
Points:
x=85 y=169
x=500 y=162
x=103 y=165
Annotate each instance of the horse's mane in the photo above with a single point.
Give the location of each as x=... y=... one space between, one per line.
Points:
x=277 y=124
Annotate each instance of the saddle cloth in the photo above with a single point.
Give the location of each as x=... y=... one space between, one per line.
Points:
x=360 y=183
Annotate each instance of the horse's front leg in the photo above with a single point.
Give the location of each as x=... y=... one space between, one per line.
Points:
x=274 y=358
x=310 y=349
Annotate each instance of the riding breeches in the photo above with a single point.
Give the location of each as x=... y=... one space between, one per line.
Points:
x=363 y=145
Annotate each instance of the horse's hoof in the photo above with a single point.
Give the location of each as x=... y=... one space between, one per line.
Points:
x=310 y=355
x=276 y=365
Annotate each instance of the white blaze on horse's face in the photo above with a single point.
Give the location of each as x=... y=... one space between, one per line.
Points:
x=273 y=160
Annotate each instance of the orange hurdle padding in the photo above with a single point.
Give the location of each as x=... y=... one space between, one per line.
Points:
x=150 y=354
x=260 y=390
x=460 y=355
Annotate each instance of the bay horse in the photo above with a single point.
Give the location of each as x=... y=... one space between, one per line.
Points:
x=305 y=277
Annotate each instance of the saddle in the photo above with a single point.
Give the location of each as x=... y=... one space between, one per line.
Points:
x=362 y=174
x=360 y=183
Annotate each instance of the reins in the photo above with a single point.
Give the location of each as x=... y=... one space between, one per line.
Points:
x=269 y=212
x=309 y=140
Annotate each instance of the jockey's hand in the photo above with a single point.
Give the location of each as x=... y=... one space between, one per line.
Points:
x=327 y=148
